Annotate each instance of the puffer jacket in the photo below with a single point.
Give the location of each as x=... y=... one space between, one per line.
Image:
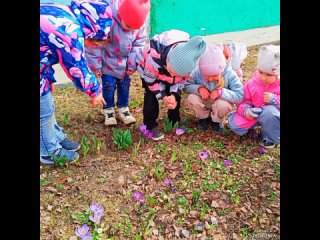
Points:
x=62 y=32
x=152 y=63
x=253 y=97
x=121 y=51
x=231 y=92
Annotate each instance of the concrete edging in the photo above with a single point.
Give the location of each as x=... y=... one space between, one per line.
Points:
x=251 y=37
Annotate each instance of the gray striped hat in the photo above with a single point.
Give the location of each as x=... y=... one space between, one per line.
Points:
x=183 y=58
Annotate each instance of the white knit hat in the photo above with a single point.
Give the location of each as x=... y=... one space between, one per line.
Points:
x=269 y=59
x=238 y=53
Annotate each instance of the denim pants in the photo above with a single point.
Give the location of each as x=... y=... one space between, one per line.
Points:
x=109 y=86
x=51 y=134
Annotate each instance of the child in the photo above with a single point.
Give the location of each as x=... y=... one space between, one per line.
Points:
x=261 y=104
x=117 y=61
x=164 y=66
x=239 y=52
x=213 y=87
x=63 y=32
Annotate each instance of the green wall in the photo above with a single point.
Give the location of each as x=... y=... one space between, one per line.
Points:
x=206 y=17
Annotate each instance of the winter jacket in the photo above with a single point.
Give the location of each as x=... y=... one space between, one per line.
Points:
x=253 y=97
x=62 y=32
x=231 y=92
x=152 y=63
x=120 y=53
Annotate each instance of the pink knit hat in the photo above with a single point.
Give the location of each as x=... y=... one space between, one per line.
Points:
x=134 y=12
x=212 y=62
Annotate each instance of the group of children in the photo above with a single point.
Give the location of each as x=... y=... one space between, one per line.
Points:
x=172 y=62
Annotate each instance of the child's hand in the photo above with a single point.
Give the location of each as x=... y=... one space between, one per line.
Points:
x=98 y=73
x=98 y=100
x=52 y=88
x=204 y=92
x=130 y=72
x=214 y=94
x=170 y=101
x=247 y=115
x=267 y=96
x=252 y=113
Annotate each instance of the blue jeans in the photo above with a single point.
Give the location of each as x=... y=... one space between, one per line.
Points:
x=109 y=86
x=51 y=134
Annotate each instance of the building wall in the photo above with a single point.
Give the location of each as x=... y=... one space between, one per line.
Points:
x=206 y=17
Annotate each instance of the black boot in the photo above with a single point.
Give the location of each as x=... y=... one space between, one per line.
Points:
x=203 y=124
x=217 y=127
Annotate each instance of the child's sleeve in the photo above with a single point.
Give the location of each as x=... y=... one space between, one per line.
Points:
x=94 y=58
x=137 y=46
x=275 y=100
x=247 y=101
x=192 y=85
x=75 y=66
x=234 y=91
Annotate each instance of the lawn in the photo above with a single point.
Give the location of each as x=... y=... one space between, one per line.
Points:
x=234 y=193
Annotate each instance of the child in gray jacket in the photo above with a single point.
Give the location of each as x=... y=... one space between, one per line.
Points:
x=213 y=87
x=116 y=62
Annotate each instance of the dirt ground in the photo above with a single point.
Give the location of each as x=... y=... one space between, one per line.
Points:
x=237 y=202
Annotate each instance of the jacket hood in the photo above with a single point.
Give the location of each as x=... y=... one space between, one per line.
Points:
x=95 y=17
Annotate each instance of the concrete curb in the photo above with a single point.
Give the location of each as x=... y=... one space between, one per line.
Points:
x=250 y=37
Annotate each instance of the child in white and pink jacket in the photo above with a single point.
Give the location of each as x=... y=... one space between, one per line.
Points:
x=116 y=62
x=238 y=52
x=164 y=66
x=261 y=104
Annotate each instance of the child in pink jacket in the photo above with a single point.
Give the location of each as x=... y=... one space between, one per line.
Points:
x=261 y=104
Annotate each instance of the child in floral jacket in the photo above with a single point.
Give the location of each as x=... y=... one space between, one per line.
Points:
x=64 y=30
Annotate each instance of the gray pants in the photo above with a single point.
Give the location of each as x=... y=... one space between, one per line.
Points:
x=269 y=120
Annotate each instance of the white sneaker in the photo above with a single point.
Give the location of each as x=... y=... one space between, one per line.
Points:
x=125 y=115
x=110 y=118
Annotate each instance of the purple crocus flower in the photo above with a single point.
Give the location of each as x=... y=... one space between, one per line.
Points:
x=97 y=208
x=227 y=163
x=180 y=131
x=174 y=190
x=83 y=232
x=203 y=155
x=87 y=237
x=141 y=203
x=167 y=182
x=138 y=195
x=96 y=218
x=148 y=134
x=142 y=128
x=262 y=150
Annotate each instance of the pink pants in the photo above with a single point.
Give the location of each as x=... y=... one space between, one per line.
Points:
x=218 y=109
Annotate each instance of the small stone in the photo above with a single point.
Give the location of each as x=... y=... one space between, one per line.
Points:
x=185 y=233
x=214 y=220
x=199 y=227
